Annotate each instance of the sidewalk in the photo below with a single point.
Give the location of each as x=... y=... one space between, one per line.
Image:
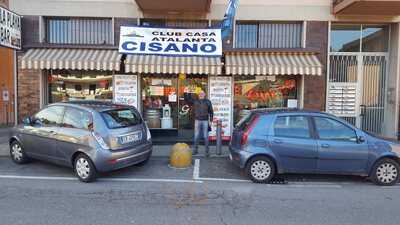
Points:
x=158 y=150
x=4 y=135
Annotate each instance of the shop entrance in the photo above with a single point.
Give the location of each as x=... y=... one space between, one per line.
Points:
x=189 y=87
x=357 y=87
x=167 y=104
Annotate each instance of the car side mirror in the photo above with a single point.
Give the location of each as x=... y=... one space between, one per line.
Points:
x=27 y=121
x=360 y=139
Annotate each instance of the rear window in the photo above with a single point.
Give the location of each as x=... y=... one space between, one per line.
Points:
x=245 y=121
x=118 y=118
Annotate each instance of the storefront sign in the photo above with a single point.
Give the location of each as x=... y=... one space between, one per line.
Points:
x=221 y=99
x=126 y=90
x=169 y=41
x=10 y=29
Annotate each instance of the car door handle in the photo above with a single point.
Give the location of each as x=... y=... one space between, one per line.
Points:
x=277 y=141
x=52 y=132
x=325 y=146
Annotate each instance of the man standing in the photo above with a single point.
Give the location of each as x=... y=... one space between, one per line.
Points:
x=203 y=115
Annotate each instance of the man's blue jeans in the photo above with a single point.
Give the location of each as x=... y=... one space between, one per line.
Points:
x=200 y=130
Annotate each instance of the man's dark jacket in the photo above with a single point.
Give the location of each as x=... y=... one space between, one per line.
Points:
x=202 y=108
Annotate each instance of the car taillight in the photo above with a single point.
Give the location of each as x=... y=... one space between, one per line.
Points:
x=100 y=140
x=148 y=135
x=248 y=130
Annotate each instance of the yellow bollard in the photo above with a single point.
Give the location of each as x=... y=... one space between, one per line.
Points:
x=181 y=156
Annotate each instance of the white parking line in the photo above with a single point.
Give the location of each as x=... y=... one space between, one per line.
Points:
x=100 y=179
x=196 y=170
x=36 y=177
x=397 y=186
x=150 y=180
x=222 y=179
x=308 y=185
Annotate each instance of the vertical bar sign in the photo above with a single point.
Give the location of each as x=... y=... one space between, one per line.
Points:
x=221 y=99
x=126 y=89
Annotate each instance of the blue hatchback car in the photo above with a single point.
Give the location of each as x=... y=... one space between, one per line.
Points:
x=270 y=142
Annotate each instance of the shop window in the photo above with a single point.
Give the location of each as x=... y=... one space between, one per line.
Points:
x=252 y=92
x=268 y=34
x=160 y=93
x=86 y=31
x=357 y=37
x=79 y=85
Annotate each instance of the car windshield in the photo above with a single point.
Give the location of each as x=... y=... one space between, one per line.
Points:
x=118 y=118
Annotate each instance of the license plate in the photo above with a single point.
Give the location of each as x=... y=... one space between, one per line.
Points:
x=134 y=137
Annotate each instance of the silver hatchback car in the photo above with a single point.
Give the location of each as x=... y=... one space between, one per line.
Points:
x=89 y=136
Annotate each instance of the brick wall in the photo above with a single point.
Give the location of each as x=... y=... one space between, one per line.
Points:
x=315 y=86
x=28 y=91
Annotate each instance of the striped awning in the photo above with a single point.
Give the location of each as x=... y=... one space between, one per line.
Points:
x=171 y=64
x=255 y=63
x=74 y=59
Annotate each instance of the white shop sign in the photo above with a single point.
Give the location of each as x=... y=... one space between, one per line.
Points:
x=170 y=41
x=126 y=90
x=221 y=98
x=10 y=29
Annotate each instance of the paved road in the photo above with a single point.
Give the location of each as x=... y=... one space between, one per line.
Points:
x=158 y=195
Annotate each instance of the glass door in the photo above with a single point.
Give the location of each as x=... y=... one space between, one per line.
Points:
x=189 y=88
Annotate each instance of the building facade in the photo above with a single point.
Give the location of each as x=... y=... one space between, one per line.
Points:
x=324 y=55
x=7 y=70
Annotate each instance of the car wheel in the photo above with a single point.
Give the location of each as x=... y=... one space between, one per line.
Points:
x=260 y=169
x=17 y=153
x=386 y=172
x=84 y=168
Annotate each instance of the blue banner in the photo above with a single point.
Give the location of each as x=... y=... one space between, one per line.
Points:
x=229 y=19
